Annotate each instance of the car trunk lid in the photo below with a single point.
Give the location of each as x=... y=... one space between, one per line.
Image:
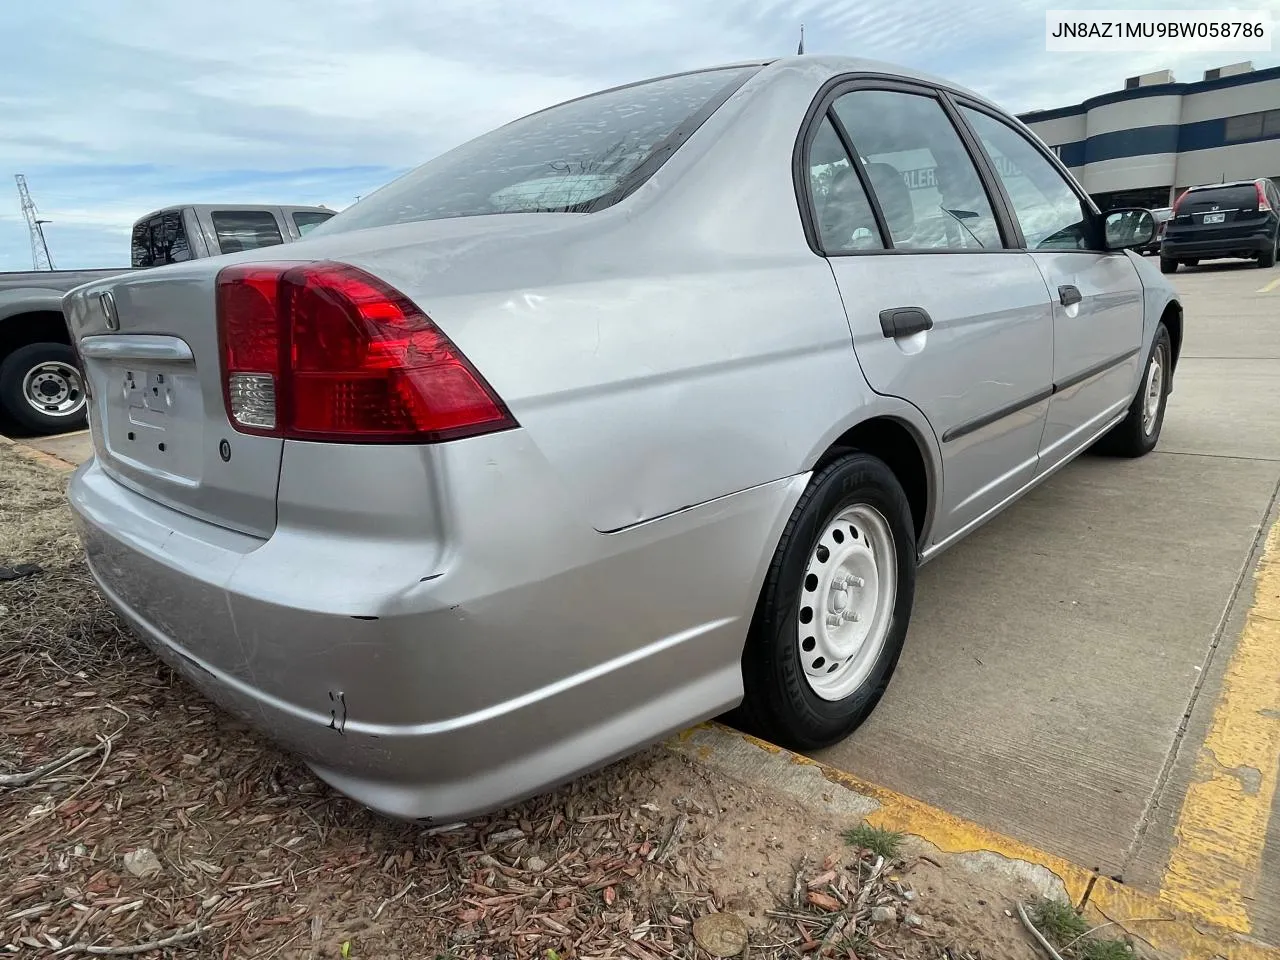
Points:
x=149 y=347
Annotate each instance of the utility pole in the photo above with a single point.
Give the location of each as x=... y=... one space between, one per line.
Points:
x=40 y=258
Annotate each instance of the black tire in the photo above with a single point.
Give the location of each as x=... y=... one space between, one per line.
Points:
x=1130 y=438
x=1191 y=263
x=780 y=704
x=1168 y=266
x=1267 y=260
x=14 y=372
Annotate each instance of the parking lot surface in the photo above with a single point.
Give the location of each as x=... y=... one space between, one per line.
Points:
x=1063 y=680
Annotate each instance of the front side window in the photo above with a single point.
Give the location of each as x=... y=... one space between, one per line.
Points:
x=840 y=207
x=577 y=157
x=1050 y=213
x=926 y=184
x=239 y=230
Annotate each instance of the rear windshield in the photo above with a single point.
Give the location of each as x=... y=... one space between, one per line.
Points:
x=577 y=157
x=1226 y=198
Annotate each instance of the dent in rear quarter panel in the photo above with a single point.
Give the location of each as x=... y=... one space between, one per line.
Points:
x=660 y=391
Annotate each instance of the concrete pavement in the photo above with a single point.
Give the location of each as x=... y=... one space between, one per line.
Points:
x=1066 y=663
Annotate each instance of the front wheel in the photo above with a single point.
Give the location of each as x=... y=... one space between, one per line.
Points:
x=41 y=388
x=1139 y=432
x=1168 y=266
x=832 y=616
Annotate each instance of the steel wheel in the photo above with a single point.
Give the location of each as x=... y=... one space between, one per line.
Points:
x=1153 y=389
x=846 y=601
x=54 y=389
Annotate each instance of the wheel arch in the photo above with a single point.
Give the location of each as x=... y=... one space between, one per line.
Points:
x=32 y=326
x=902 y=445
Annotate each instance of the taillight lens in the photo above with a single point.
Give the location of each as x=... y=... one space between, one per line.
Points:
x=1264 y=205
x=327 y=352
x=1177 y=203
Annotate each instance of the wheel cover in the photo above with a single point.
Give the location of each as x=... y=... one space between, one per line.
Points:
x=1153 y=390
x=846 y=601
x=54 y=388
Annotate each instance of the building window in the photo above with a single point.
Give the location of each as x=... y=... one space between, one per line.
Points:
x=1132 y=83
x=1253 y=126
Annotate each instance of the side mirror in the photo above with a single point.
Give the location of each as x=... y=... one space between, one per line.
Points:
x=1128 y=228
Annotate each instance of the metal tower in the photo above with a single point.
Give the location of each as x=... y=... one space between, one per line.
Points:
x=40 y=258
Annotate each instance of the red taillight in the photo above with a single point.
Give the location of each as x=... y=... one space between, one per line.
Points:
x=326 y=352
x=1264 y=205
x=1177 y=203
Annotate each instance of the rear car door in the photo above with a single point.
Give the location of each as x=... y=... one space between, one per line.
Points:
x=944 y=315
x=1097 y=296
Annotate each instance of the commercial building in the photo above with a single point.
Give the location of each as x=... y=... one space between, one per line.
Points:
x=1145 y=144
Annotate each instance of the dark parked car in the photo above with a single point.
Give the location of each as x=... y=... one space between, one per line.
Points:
x=1234 y=220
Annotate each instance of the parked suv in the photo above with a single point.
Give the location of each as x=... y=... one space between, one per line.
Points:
x=1238 y=220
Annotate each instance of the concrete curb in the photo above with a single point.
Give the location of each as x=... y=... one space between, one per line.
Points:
x=38 y=456
x=1144 y=916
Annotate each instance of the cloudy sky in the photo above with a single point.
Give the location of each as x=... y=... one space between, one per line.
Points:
x=112 y=114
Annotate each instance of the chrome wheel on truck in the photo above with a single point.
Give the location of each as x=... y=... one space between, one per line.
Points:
x=41 y=388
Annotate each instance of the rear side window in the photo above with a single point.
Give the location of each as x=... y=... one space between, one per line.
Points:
x=159 y=240
x=920 y=171
x=577 y=157
x=308 y=220
x=239 y=230
x=841 y=210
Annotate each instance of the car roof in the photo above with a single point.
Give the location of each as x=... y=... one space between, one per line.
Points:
x=1228 y=183
x=825 y=66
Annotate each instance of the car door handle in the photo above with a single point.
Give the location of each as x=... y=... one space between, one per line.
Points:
x=1069 y=294
x=904 y=321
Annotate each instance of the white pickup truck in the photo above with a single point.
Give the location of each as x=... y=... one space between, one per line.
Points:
x=40 y=387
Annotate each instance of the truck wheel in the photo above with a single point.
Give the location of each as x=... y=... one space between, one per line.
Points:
x=41 y=388
x=1168 y=266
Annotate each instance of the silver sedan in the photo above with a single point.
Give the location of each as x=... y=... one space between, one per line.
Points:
x=632 y=412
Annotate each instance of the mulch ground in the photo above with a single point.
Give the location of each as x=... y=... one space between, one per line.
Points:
x=170 y=829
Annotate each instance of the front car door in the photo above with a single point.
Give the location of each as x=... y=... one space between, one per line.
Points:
x=945 y=315
x=1097 y=295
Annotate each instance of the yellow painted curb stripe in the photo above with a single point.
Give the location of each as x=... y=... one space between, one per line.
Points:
x=1144 y=916
x=1214 y=866
x=1271 y=286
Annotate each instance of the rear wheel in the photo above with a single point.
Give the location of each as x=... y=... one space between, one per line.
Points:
x=833 y=614
x=1137 y=434
x=1168 y=266
x=1267 y=259
x=41 y=388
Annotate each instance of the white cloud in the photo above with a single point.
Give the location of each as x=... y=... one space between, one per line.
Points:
x=112 y=115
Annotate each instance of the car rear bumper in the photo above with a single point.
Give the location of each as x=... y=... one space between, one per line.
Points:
x=438 y=680
x=1245 y=245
